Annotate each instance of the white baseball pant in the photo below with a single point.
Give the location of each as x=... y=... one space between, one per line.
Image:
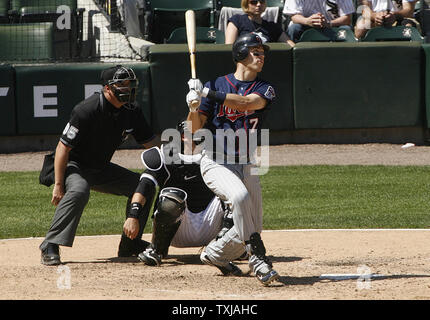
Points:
x=198 y=229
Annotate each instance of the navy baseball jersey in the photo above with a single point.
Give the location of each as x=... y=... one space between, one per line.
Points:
x=222 y=117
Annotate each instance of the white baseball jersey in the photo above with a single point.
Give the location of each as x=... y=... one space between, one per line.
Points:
x=198 y=229
x=331 y=9
x=393 y=5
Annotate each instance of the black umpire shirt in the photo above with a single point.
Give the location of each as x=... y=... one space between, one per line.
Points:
x=96 y=129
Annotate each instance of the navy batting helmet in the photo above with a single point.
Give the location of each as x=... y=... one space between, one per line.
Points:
x=244 y=42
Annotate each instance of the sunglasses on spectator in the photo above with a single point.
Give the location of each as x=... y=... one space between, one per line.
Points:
x=254 y=2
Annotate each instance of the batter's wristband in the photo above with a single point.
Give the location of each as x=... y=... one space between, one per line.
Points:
x=216 y=96
x=135 y=210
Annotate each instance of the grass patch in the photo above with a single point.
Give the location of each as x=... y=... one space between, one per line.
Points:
x=295 y=197
x=346 y=197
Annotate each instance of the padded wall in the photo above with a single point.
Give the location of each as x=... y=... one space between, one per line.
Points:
x=170 y=72
x=360 y=85
x=7 y=101
x=46 y=94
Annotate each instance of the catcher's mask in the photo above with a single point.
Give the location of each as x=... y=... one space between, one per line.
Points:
x=182 y=128
x=243 y=43
x=123 y=83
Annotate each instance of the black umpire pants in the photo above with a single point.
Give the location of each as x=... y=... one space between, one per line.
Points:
x=113 y=179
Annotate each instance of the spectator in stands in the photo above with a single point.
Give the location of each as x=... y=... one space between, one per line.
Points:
x=251 y=21
x=319 y=14
x=136 y=17
x=377 y=13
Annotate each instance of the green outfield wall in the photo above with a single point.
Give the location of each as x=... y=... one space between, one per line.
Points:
x=360 y=85
x=7 y=101
x=426 y=82
x=170 y=71
x=319 y=86
x=46 y=94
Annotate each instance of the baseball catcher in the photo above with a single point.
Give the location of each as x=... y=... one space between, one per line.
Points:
x=186 y=212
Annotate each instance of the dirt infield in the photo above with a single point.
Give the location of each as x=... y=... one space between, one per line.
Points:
x=399 y=260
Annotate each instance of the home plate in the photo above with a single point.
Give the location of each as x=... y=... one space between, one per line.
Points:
x=350 y=276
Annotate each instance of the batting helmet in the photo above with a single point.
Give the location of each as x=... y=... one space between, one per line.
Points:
x=116 y=77
x=244 y=42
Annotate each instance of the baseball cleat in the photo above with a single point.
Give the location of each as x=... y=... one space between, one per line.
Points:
x=150 y=257
x=268 y=277
x=51 y=255
x=227 y=270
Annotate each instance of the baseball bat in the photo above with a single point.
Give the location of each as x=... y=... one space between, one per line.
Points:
x=190 y=24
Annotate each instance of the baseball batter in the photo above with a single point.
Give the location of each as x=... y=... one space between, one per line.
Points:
x=235 y=103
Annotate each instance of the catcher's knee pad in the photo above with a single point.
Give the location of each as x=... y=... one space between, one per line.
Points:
x=171 y=205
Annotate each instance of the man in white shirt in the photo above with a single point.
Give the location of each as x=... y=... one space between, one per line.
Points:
x=319 y=14
x=377 y=13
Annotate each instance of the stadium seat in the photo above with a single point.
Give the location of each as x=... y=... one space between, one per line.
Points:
x=227 y=3
x=167 y=15
x=26 y=8
x=27 y=41
x=203 y=35
x=398 y=33
x=68 y=41
x=4 y=9
x=329 y=35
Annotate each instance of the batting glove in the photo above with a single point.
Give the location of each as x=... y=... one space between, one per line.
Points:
x=195 y=84
x=193 y=100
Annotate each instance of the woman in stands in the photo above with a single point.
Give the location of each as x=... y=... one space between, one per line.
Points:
x=251 y=21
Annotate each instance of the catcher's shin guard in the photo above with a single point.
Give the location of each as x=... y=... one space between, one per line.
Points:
x=170 y=207
x=162 y=236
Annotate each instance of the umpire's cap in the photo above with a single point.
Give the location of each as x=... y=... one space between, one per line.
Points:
x=116 y=74
x=244 y=42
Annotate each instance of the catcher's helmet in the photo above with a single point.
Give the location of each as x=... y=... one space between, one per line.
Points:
x=244 y=42
x=115 y=78
x=182 y=126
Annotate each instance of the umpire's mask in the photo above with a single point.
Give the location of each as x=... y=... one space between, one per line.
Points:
x=123 y=83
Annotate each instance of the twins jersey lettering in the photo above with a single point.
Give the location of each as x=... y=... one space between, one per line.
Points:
x=331 y=9
x=222 y=117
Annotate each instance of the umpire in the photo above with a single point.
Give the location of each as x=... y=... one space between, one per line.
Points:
x=97 y=127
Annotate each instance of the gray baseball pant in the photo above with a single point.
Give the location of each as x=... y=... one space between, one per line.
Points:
x=234 y=184
x=113 y=179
